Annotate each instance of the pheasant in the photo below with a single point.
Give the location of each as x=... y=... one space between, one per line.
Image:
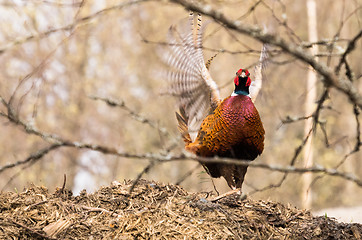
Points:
x=229 y=128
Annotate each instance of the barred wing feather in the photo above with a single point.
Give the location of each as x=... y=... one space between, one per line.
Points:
x=189 y=79
x=258 y=76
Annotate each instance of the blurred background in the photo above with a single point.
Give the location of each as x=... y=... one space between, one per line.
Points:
x=56 y=55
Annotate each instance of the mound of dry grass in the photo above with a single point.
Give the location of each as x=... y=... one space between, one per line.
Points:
x=157 y=211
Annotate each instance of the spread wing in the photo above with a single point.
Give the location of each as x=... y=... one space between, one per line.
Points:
x=189 y=79
x=258 y=76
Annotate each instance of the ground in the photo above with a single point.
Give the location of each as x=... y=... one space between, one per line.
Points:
x=155 y=210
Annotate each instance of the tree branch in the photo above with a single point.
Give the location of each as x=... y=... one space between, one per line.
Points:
x=351 y=45
x=33 y=157
x=136 y=116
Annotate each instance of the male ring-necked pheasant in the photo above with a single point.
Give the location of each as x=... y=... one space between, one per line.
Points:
x=210 y=126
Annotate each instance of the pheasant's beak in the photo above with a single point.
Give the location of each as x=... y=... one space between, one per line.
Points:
x=243 y=74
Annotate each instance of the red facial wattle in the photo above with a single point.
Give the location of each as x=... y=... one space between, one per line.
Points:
x=236 y=80
x=248 y=82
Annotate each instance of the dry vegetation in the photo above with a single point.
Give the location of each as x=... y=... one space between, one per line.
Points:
x=61 y=62
x=157 y=211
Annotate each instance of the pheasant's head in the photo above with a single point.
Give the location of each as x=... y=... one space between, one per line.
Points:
x=242 y=82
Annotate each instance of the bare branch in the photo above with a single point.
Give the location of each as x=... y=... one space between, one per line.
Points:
x=289 y=119
x=32 y=158
x=292 y=35
x=139 y=176
x=358 y=144
x=121 y=104
x=186 y=175
x=351 y=45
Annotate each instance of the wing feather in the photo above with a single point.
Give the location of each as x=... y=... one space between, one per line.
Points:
x=189 y=79
x=258 y=73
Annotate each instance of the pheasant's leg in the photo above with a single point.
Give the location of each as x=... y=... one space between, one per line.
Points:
x=239 y=175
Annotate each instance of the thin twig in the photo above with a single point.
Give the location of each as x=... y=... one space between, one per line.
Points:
x=97 y=209
x=139 y=176
x=351 y=45
x=186 y=175
x=32 y=158
x=134 y=114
